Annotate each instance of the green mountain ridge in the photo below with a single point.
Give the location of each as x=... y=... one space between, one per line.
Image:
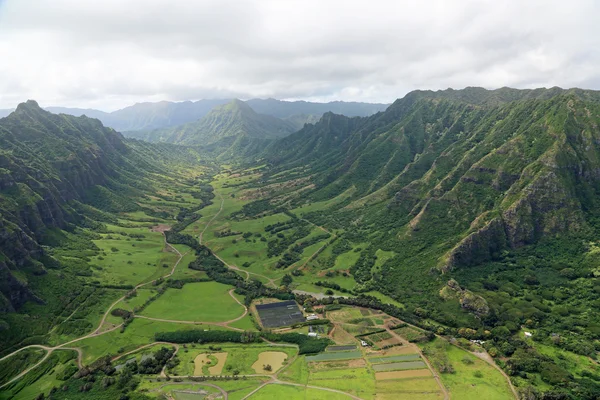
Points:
x=476 y=210
x=233 y=119
x=50 y=165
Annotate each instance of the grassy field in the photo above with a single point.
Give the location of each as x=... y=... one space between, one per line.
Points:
x=138 y=333
x=335 y=355
x=125 y=260
x=240 y=358
x=358 y=381
x=279 y=391
x=87 y=315
x=203 y=301
x=473 y=379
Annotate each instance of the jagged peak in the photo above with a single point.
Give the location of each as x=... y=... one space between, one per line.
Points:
x=28 y=105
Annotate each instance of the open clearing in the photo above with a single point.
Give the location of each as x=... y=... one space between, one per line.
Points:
x=287 y=392
x=390 y=359
x=415 y=373
x=203 y=301
x=464 y=383
x=273 y=358
x=337 y=355
x=399 y=366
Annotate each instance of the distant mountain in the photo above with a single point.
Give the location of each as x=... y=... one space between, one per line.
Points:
x=4 y=113
x=233 y=119
x=146 y=116
x=286 y=109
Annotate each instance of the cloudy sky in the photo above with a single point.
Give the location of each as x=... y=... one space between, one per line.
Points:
x=111 y=53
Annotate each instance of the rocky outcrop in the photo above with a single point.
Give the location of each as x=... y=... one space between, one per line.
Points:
x=467 y=299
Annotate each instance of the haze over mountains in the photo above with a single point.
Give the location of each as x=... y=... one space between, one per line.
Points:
x=149 y=116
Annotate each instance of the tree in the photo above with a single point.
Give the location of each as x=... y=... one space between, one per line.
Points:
x=286 y=280
x=268 y=367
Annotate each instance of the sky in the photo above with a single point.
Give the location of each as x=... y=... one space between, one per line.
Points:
x=112 y=53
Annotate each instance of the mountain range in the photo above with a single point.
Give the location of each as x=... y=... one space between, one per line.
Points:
x=149 y=116
x=476 y=210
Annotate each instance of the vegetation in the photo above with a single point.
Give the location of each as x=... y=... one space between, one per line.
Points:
x=469 y=214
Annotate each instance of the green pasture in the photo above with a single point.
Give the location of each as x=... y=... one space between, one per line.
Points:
x=202 y=301
x=473 y=379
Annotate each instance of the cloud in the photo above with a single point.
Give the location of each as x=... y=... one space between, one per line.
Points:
x=111 y=53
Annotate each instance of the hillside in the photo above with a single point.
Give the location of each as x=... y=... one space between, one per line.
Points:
x=523 y=167
x=150 y=116
x=59 y=174
x=467 y=214
x=233 y=119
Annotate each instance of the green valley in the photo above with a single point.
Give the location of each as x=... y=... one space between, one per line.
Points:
x=445 y=248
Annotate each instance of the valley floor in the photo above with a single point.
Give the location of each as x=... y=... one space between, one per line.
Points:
x=392 y=367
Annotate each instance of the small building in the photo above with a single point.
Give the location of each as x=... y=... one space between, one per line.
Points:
x=528 y=334
x=312 y=317
x=363 y=343
x=312 y=334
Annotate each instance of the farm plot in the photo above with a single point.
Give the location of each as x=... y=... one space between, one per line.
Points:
x=272 y=359
x=346 y=314
x=341 y=348
x=337 y=355
x=279 y=314
x=399 y=366
x=400 y=358
x=357 y=381
x=414 y=373
x=209 y=364
x=410 y=334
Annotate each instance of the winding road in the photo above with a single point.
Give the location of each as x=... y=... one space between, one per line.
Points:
x=274 y=378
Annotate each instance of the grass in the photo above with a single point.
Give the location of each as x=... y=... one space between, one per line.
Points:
x=410 y=334
x=42 y=378
x=89 y=314
x=203 y=301
x=463 y=384
x=280 y=391
x=336 y=355
x=14 y=365
x=358 y=381
x=403 y=357
x=297 y=371
x=127 y=261
x=385 y=299
x=239 y=357
x=346 y=314
x=138 y=333
x=399 y=366
x=245 y=323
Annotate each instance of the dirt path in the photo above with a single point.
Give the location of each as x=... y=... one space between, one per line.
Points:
x=483 y=356
x=488 y=359
x=231 y=266
x=224 y=324
x=435 y=375
x=49 y=351
x=223 y=392
x=167 y=244
x=94 y=333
